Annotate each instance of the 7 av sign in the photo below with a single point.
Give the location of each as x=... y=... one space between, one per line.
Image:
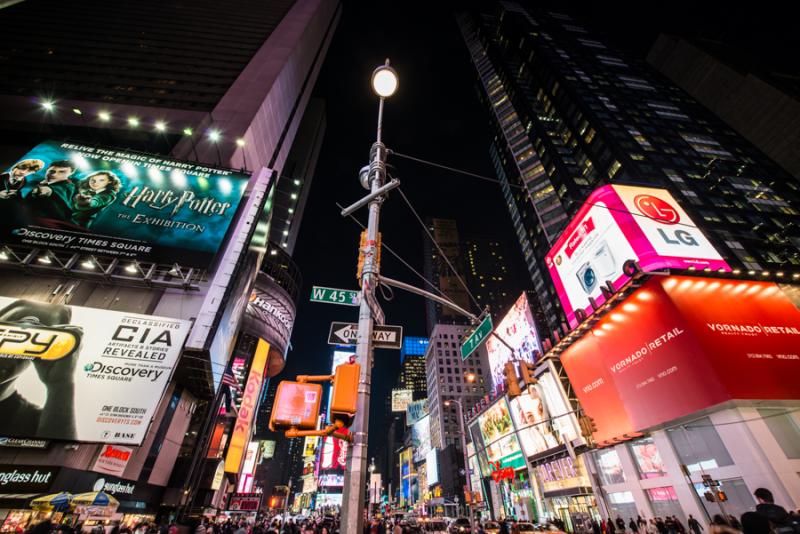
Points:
x=383 y=336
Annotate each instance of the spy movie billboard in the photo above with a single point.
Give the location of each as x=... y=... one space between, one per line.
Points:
x=619 y=223
x=83 y=374
x=130 y=205
x=678 y=345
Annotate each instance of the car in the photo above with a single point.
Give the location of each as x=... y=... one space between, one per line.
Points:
x=459 y=525
x=547 y=529
x=524 y=526
x=435 y=526
x=491 y=527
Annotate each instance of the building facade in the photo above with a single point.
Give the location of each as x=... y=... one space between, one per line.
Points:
x=571 y=113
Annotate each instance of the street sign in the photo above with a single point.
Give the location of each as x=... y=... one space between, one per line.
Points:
x=478 y=336
x=383 y=336
x=332 y=295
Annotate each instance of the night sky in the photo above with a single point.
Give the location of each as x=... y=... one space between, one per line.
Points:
x=436 y=115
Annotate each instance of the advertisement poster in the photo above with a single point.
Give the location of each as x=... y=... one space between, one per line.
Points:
x=432 y=467
x=244 y=502
x=415 y=411
x=648 y=459
x=310 y=446
x=421 y=438
x=334 y=453
x=563 y=474
x=401 y=398
x=620 y=223
x=498 y=435
x=112 y=460
x=96 y=200
x=533 y=423
x=83 y=374
x=518 y=330
x=699 y=336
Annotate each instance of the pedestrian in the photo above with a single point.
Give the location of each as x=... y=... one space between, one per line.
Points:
x=755 y=523
x=620 y=523
x=596 y=529
x=732 y=521
x=779 y=518
x=719 y=525
x=633 y=526
x=642 y=522
x=661 y=526
x=694 y=525
x=610 y=529
x=678 y=525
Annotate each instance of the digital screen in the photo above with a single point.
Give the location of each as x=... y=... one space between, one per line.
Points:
x=517 y=329
x=499 y=439
x=532 y=420
x=432 y=467
x=421 y=438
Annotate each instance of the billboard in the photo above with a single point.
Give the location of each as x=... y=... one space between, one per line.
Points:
x=534 y=429
x=95 y=200
x=432 y=468
x=711 y=340
x=310 y=446
x=421 y=438
x=112 y=460
x=619 y=223
x=401 y=398
x=267 y=449
x=415 y=411
x=244 y=502
x=499 y=439
x=518 y=330
x=244 y=421
x=334 y=454
x=83 y=374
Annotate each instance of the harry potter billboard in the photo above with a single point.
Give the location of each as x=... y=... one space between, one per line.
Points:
x=94 y=200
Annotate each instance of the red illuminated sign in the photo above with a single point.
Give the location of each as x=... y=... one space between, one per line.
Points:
x=501 y=473
x=681 y=344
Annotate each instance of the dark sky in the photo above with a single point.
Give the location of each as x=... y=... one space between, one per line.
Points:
x=436 y=115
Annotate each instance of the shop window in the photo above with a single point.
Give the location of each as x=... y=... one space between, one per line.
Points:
x=610 y=467
x=647 y=457
x=699 y=446
x=665 y=503
x=740 y=498
x=622 y=505
x=784 y=429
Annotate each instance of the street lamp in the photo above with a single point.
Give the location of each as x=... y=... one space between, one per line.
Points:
x=371 y=486
x=468 y=504
x=384 y=83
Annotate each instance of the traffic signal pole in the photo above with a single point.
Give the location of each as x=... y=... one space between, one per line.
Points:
x=352 y=514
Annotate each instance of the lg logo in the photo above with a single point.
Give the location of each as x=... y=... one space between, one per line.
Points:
x=657 y=209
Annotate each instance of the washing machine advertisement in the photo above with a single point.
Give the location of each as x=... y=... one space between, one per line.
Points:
x=620 y=223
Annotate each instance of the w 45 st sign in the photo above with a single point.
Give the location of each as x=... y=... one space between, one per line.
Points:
x=330 y=295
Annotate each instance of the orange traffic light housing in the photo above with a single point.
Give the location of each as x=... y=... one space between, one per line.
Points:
x=344 y=396
x=526 y=370
x=512 y=382
x=296 y=406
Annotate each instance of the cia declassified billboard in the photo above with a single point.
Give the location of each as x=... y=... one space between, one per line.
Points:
x=83 y=374
x=401 y=398
x=678 y=345
x=96 y=200
x=518 y=329
x=619 y=223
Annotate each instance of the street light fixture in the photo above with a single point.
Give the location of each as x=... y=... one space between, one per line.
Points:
x=384 y=80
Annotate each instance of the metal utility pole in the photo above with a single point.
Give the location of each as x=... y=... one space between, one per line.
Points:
x=384 y=83
x=468 y=503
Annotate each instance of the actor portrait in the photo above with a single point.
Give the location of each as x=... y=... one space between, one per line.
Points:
x=94 y=194
x=52 y=197
x=13 y=181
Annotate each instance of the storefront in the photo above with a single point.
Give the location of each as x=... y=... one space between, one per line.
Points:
x=567 y=492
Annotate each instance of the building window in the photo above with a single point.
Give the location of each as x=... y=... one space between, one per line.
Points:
x=740 y=498
x=610 y=467
x=665 y=503
x=612 y=170
x=622 y=504
x=647 y=457
x=784 y=429
x=699 y=447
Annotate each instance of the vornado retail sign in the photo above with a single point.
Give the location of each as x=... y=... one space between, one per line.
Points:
x=84 y=374
x=270 y=313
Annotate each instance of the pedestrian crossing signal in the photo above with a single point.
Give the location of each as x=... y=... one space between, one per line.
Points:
x=512 y=382
x=344 y=397
x=721 y=496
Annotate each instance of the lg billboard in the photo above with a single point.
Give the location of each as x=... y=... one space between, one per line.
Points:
x=96 y=200
x=681 y=344
x=618 y=223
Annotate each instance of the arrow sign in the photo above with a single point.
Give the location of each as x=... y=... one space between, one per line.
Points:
x=383 y=336
x=332 y=295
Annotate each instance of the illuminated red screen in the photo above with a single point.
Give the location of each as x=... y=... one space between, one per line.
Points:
x=682 y=344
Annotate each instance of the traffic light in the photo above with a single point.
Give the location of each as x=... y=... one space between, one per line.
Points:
x=588 y=426
x=721 y=497
x=344 y=397
x=362 y=247
x=296 y=406
x=512 y=382
x=526 y=369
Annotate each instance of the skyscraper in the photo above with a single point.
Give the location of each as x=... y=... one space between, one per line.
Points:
x=438 y=270
x=571 y=113
x=489 y=273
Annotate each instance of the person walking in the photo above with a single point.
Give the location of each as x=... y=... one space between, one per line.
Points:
x=694 y=525
x=633 y=526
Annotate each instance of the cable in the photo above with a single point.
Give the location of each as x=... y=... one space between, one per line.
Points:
x=397 y=256
x=446 y=259
x=451 y=169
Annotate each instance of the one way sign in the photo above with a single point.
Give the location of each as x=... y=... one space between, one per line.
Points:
x=383 y=336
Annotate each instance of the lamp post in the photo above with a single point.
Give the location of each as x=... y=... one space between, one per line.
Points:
x=371 y=487
x=466 y=458
x=384 y=84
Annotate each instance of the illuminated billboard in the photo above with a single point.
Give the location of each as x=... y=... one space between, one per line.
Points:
x=95 y=200
x=83 y=374
x=618 y=223
x=401 y=398
x=499 y=439
x=421 y=438
x=711 y=340
x=518 y=330
x=432 y=468
x=532 y=420
x=244 y=421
